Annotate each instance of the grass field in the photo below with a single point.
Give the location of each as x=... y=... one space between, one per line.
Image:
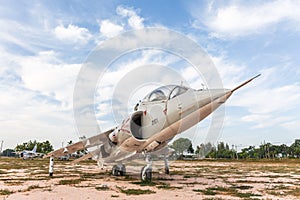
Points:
x=205 y=179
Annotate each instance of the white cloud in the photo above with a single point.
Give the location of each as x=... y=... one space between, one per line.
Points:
x=292 y=125
x=38 y=93
x=47 y=74
x=134 y=21
x=129 y=80
x=262 y=100
x=230 y=73
x=109 y=29
x=16 y=33
x=267 y=99
x=239 y=20
x=265 y=121
x=72 y=34
x=266 y=102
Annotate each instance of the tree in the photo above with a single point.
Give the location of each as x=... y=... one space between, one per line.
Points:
x=200 y=149
x=42 y=147
x=8 y=152
x=45 y=147
x=181 y=145
x=204 y=149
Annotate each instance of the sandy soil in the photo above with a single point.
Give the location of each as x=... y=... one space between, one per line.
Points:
x=28 y=179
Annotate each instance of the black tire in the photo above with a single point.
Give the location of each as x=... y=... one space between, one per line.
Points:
x=148 y=175
x=123 y=171
x=115 y=171
x=167 y=170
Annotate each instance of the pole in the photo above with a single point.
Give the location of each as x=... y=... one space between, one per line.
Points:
x=51 y=166
x=1 y=146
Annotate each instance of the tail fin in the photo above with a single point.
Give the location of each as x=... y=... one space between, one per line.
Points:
x=34 y=148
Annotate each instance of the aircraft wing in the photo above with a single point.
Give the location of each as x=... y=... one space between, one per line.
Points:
x=99 y=139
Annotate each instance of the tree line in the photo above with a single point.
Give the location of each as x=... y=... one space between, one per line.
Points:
x=184 y=146
x=42 y=147
x=224 y=150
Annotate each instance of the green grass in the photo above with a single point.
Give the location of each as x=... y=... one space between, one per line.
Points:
x=295 y=192
x=168 y=187
x=145 y=183
x=102 y=188
x=221 y=189
x=69 y=181
x=5 y=192
x=246 y=195
x=32 y=187
x=242 y=187
x=91 y=175
x=206 y=192
x=13 y=182
x=280 y=187
x=232 y=191
x=264 y=171
x=192 y=183
x=209 y=192
x=164 y=179
x=135 y=191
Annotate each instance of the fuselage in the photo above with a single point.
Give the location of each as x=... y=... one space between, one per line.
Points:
x=164 y=113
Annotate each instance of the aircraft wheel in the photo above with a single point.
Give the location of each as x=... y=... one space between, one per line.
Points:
x=167 y=170
x=122 y=171
x=146 y=175
x=115 y=170
x=118 y=170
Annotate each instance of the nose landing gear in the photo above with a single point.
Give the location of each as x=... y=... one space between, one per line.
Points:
x=146 y=172
x=118 y=170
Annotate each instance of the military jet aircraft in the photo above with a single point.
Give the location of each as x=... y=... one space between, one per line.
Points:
x=159 y=117
x=29 y=154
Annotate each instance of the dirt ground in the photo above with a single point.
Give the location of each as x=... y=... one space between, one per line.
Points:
x=205 y=179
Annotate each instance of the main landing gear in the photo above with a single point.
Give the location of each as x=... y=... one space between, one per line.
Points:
x=118 y=170
x=146 y=172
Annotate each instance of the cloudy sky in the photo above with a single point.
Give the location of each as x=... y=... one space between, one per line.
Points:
x=43 y=45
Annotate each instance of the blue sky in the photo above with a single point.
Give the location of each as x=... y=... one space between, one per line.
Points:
x=44 y=43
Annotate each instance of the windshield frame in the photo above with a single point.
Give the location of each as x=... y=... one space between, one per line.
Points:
x=164 y=93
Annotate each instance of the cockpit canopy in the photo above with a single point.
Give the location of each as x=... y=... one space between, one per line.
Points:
x=165 y=93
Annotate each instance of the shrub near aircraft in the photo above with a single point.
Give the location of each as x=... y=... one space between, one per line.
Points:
x=159 y=117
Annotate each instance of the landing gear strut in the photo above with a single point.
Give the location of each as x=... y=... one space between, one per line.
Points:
x=118 y=170
x=146 y=172
x=167 y=170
